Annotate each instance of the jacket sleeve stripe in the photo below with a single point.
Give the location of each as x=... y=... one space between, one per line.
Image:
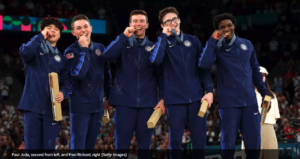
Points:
x=29 y=42
x=204 y=49
x=77 y=69
x=110 y=45
x=155 y=50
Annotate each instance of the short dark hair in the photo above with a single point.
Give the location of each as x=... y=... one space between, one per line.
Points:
x=165 y=11
x=222 y=17
x=135 y=12
x=48 y=21
x=79 y=17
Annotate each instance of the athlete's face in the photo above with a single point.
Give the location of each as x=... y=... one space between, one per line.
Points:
x=139 y=21
x=55 y=32
x=227 y=28
x=171 y=20
x=82 y=27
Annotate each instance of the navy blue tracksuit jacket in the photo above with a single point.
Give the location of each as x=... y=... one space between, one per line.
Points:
x=38 y=65
x=136 y=79
x=40 y=130
x=181 y=74
x=90 y=75
x=135 y=91
x=237 y=71
x=183 y=90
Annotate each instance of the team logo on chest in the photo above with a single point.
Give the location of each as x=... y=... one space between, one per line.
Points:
x=244 y=47
x=148 y=48
x=98 y=52
x=57 y=58
x=187 y=43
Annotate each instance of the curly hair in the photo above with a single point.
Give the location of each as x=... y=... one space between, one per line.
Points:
x=222 y=17
x=48 y=21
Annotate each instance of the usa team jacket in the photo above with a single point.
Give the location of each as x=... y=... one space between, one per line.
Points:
x=90 y=76
x=136 y=79
x=237 y=71
x=38 y=64
x=181 y=73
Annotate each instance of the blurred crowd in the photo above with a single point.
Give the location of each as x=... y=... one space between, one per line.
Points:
x=277 y=49
x=62 y=9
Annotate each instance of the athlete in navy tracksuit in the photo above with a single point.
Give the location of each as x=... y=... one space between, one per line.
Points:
x=90 y=73
x=40 y=59
x=182 y=87
x=237 y=69
x=134 y=93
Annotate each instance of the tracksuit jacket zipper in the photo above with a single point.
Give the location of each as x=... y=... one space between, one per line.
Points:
x=242 y=75
x=138 y=80
x=186 y=75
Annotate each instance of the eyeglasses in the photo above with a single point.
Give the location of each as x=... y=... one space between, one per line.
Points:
x=175 y=20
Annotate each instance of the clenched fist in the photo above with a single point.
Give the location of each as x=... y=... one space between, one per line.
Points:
x=83 y=41
x=47 y=34
x=167 y=31
x=209 y=97
x=217 y=34
x=129 y=31
x=161 y=105
x=59 y=97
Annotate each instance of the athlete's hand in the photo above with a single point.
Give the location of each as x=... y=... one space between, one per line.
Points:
x=161 y=105
x=47 y=34
x=263 y=103
x=59 y=97
x=107 y=106
x=167 y=31
x=83 y=40
x=217 y=34
x=209 y=97
x=129 y=31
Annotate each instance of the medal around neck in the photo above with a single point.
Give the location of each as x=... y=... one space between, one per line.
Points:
x=179 y=40
x=132 y=41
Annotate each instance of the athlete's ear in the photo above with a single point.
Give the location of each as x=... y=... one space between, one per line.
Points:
x=162 y=25
x=73 y=32
x=147 y=25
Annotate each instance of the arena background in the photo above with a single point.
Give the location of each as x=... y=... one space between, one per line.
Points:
x=271 y=25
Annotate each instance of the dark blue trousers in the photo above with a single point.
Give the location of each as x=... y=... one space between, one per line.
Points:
x=245 y=119
x=180 y=115
x=85 y=128
x=40 y=132
x=129 y=120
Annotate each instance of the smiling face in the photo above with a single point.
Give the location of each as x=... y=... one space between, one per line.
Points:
x=139 y=21
x=82 y=27
x=174 y=19
x=227 y=28
x=54 y=31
